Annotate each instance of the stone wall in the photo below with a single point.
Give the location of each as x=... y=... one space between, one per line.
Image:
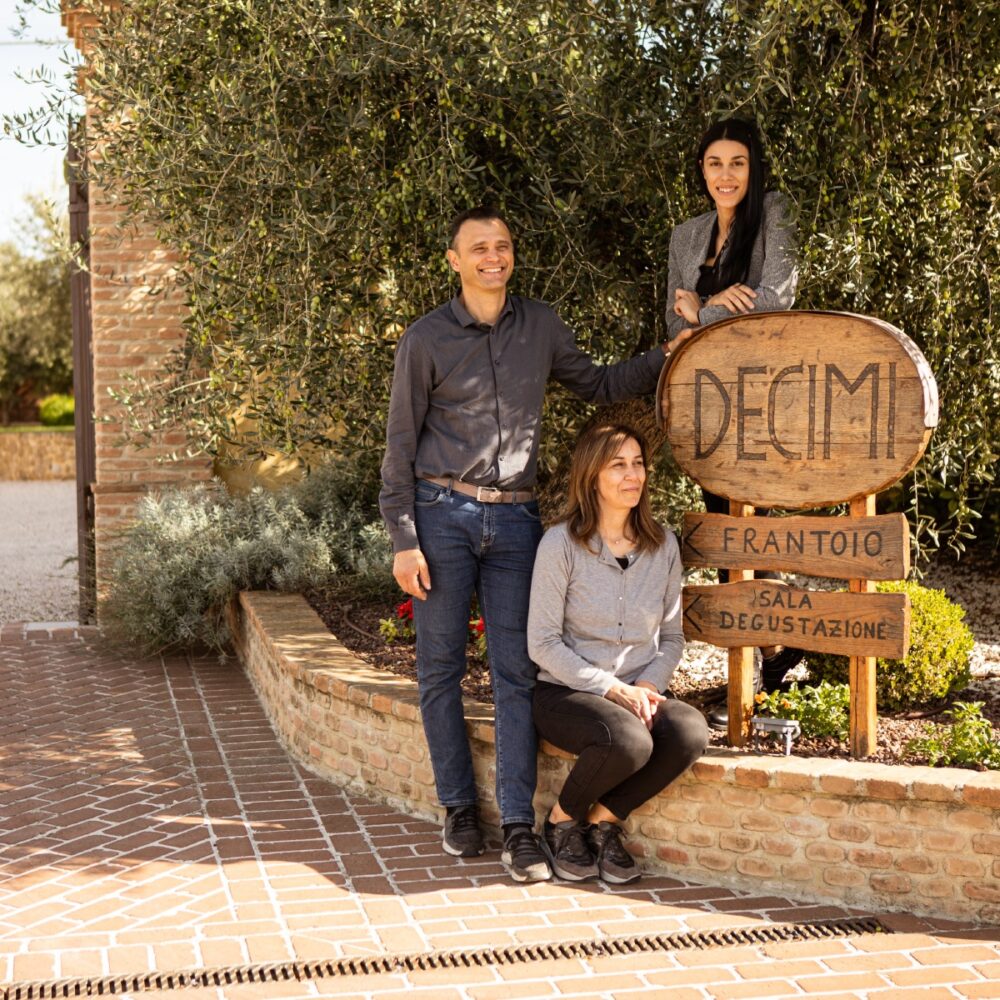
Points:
x=918 y=839
x=36 y=455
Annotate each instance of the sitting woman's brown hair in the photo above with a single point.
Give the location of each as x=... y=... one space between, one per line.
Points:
x=595 y=449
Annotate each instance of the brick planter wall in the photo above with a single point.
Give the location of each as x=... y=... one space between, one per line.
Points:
x=924 y=840
x=37 y=455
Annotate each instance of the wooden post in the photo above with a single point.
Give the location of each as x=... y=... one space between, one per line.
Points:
x=740 y=692
x=864 y=724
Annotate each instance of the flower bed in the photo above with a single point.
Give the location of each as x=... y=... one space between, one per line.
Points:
x=699 y=680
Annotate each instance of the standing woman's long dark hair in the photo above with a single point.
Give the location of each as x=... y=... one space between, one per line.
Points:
x=739 y=244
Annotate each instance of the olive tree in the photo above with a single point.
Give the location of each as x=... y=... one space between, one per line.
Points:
x=305 y=157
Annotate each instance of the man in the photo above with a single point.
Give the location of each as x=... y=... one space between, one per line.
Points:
x=459 y=467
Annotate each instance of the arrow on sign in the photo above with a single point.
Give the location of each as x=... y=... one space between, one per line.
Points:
x=686 y=540
x=689 y=607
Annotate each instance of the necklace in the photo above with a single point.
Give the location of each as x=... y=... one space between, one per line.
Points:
x=615 y=541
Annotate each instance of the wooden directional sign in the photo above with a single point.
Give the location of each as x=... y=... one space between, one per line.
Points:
x=877 y=548
x=798 y=409
x=766 y=612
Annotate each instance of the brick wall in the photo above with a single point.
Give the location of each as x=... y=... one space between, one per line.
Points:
x=137 y=318
x=919 y=839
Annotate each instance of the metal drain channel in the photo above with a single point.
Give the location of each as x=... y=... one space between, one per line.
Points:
x=291 y=971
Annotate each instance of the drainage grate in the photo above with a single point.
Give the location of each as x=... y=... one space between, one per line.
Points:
x=292 y=971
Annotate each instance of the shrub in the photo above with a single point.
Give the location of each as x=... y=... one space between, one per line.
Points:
x=821 y=710
x=190 y=552
x=936 y=665
x=969 y=742
x=56 y=410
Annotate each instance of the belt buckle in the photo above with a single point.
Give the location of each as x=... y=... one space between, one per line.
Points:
x=489 y=494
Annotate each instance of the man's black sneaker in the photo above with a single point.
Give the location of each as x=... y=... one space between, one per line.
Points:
x=774 y=668
x=614 y=863
x=769 y=675
x=525 y=857
x=572 y=858
x=462 y=836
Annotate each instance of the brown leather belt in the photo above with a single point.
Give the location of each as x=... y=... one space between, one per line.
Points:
x=484 y=494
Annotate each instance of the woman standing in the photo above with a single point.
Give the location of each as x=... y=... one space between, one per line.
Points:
x=604 y=627
x=737 y=258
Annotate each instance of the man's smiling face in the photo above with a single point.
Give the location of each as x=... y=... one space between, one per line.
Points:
x=483 y=255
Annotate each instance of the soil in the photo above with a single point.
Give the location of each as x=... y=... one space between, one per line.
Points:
x=356 y=625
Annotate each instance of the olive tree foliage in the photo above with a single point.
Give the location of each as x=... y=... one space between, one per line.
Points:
x=304 y=158
x=884 y=118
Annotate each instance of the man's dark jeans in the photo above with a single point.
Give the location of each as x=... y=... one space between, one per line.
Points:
x=488 y=549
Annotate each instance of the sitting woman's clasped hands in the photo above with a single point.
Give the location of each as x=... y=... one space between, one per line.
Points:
x=640 y=699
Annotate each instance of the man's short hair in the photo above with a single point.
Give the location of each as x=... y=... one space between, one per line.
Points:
x=481 y=213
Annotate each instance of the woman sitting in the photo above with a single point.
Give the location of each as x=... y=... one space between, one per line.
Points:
x=604 y=627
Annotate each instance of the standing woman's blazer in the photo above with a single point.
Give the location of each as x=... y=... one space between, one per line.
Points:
x=773 y=273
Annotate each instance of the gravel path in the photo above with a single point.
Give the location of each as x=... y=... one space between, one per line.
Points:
x=38 y=535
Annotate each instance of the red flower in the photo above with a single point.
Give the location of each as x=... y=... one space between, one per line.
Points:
x=405 y=610
x=479 y=625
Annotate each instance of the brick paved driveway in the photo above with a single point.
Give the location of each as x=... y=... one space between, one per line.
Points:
x=150 y=820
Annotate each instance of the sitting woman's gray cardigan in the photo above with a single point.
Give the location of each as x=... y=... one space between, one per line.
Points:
x=773 y=273
x=590 y=622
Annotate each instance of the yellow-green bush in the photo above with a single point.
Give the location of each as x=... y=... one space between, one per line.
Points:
x=937 y=663
x=57 y=410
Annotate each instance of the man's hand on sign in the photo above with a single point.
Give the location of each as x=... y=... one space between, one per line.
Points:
x=736 y=298
x=410 y=570
x=669 y=349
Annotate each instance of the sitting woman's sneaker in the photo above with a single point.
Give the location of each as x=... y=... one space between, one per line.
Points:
x=614 y=863
x=572 y=858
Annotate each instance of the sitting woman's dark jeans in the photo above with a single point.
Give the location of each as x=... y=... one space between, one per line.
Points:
x=620 y=763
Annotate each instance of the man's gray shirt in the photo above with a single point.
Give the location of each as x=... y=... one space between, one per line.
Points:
x=467 y=399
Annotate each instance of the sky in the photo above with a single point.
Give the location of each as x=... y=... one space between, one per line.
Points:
x=26 y=170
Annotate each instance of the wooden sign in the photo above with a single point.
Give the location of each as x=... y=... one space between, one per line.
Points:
x=874 y=547
x=798 y=409
x=766 y=612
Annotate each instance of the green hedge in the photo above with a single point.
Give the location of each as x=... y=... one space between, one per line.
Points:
x=57 y=410
x=937 y=664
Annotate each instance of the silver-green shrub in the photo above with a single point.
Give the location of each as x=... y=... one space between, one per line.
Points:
x=190 y=552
